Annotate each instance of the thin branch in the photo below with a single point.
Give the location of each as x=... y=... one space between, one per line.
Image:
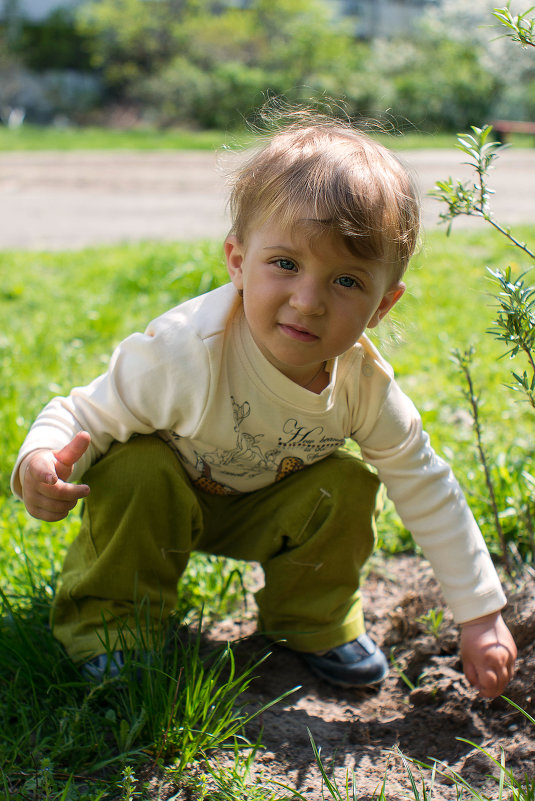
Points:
x=463 y=360
x=506 y=232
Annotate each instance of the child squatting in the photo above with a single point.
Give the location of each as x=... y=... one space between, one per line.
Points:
x=221 y=429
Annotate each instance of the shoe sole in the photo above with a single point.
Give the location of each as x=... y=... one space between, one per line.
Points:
x=348 y=685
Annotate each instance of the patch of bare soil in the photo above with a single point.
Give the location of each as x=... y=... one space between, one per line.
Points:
x=357 y=729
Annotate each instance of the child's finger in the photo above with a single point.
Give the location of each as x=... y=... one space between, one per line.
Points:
x=71 y=453
x=483 y=679
x=63 y=491
x=488 y=685
x=471 y=674
x=40 y=469
x=504 y=674
x=51 y=514
x=53 y=503
x=492 y=679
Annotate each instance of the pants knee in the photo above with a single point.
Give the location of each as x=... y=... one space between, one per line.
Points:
x=345 y=477
x=142 y=460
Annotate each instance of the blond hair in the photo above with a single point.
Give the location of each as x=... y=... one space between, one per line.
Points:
x=336 y=180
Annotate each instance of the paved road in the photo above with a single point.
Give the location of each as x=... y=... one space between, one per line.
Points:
x=74 y=199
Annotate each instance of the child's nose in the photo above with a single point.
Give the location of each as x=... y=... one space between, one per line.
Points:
x=307 y=299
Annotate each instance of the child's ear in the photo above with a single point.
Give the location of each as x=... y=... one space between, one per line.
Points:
x=234 y=258
x=389 y=300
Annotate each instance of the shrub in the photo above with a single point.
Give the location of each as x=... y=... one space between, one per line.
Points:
x=219 y=98
x=52 y=44
x=443 y=85
x=129 y=39
x=210 y=63
x=515 y=316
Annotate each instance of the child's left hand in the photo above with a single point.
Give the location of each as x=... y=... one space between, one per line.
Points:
x=488 y=652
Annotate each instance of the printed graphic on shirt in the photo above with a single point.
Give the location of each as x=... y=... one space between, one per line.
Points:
x=206 y=483
x=248 y=457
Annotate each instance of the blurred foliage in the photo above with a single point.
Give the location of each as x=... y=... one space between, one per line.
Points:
x=53 y=43
x=440 y=82
x=212 y=63
x=203 y=61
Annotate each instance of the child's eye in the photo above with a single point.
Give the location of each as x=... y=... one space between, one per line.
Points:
x=347 y=281
x=285 y=264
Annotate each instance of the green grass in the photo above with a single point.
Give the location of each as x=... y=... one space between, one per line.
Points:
x=415 y=140
x=65 y=313
x=38 y=138
x=170 y=709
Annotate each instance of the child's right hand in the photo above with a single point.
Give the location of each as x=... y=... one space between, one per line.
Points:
x=43 y=476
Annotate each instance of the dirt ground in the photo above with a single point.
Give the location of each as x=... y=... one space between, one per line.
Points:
x=58 y=201
x=358 y=729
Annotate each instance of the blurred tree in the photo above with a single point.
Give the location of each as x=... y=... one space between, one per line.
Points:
x=52 y=44
x=214 y=61
x=513 y=75
x=211 y=62
x=436 y=82
x=132 y=38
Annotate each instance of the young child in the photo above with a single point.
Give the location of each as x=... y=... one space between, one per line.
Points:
x=221 y=429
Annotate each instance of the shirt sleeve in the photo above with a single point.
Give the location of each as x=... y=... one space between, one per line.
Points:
x=433 y=508
x=156 y=380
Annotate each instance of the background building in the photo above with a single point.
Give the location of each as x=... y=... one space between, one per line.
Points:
x=384 y=17
x=33 y=10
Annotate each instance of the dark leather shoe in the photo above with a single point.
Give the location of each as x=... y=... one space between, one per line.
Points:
x=358 y=663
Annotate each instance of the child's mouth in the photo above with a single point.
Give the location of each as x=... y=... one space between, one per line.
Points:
x=295 y=332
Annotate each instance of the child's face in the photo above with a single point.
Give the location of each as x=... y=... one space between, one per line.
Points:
x=306 y=302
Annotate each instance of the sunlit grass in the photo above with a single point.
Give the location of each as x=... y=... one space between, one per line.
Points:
x=36 y=138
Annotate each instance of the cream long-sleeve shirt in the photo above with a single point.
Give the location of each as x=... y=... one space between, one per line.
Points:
x=198 y=379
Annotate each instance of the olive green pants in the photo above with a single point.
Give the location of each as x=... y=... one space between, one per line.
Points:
x=311 y=532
